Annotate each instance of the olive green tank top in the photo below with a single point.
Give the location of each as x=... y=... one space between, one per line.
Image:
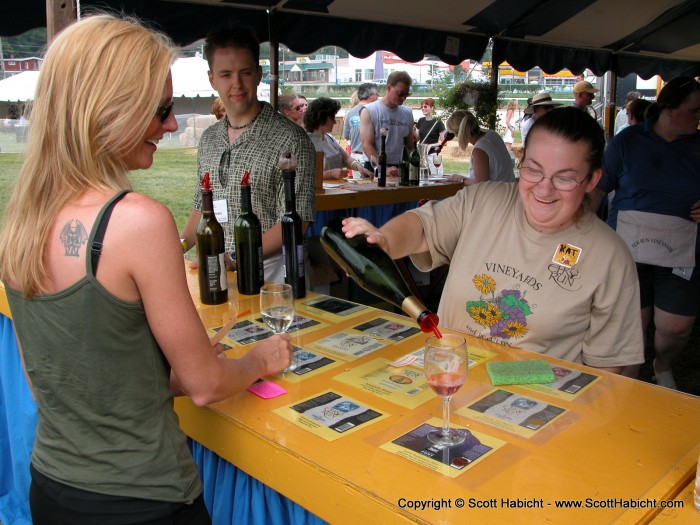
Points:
x=105 y=410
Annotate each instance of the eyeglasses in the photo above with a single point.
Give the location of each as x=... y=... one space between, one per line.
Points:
x=403 y=94
x=560 y=183
x=163 y=112
x=297 y=108
x=426 y=106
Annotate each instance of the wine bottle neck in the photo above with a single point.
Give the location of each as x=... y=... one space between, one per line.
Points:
x=207 y=203
x=383 y=142
x=246 y=205
x=290 y=204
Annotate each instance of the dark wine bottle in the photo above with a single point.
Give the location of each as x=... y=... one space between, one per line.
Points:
x=248 y=239
x=381 y=160
x=213 y=287
x=373 y=269
x=414 y=169
x=405 y=166
x=448 y=137
x=292 y=237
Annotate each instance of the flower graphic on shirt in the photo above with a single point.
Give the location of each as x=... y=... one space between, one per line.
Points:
x=503 y=312
x=484 y=283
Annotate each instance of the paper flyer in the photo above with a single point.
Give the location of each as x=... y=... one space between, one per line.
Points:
x=347 y=346
x=393 y=330
x=450 y=461
x=476 y=357
x=568 y=385
x=512 y=412
x=330 y=415
x=248 y=331
x=406 y=387
x=331 y=308
x=309 y=364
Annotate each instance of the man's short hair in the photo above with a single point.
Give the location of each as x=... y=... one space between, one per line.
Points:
x=633 y=95
x=366 y=90
x=286 y=101
x=399 y=76
x=231 y=36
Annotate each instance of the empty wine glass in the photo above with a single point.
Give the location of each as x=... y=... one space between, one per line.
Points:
x=445 y=367
x=277 y=309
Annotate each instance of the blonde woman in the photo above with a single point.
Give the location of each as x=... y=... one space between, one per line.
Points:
x=106 y=346
x=510 y=129
x=490 y=158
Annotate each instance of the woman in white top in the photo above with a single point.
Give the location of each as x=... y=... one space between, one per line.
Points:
x=490 y=158
x=320 y=118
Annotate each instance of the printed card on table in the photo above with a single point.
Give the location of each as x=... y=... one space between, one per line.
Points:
x=568 y=384
x=330 y=415
x=249 y=331
x=512 y=412
x=308 y=364
x=347 y=346
x=331 y=308
x=406 y=387
x=450 y=461
x=393 y=330
x=476 y=357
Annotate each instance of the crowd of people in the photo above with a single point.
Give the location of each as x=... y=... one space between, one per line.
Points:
x=531 y=264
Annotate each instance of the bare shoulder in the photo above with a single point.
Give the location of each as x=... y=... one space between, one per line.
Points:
x=136 y=206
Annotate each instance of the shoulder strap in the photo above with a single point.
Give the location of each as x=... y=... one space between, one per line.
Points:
x=96 y=249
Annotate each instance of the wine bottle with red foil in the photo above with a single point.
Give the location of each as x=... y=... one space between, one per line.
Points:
x=381 y=159
x=292 y=236
x=248 y=240
x=448 y=137
x=213 y=287
x=373 y=269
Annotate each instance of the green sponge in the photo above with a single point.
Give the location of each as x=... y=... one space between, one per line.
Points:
x=520 y=372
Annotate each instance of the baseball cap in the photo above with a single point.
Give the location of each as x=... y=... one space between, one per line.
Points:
x=584 y=86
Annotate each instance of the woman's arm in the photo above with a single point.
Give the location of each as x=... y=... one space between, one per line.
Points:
x=401 y=236
x=480 y=162
x=146 y=228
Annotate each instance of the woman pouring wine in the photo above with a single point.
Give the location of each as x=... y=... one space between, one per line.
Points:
x=530 y=265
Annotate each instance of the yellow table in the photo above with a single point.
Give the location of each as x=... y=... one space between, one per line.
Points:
x=619 y=442
x=681 y=510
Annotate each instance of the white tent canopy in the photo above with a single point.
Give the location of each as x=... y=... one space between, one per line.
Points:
x=19 y=88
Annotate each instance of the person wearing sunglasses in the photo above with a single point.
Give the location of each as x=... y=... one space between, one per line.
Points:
x=530 y=265
x=93 y=273
x=388 y=112
x=293 y=107
x=654 y=170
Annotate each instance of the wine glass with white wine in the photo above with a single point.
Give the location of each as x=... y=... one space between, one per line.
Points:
x=445 y=365
x=277 y=309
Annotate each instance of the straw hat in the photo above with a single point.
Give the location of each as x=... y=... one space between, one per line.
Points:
x=584 y=86
x=541 y=99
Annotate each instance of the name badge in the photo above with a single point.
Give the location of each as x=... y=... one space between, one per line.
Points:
x=566 y=255
x=221 y=211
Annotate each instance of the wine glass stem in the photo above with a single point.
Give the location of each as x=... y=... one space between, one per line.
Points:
x=446 y=415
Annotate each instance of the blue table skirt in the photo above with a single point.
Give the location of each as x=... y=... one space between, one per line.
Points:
x=231 y=495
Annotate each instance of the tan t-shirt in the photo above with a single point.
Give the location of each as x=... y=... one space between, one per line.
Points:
x=573 y=294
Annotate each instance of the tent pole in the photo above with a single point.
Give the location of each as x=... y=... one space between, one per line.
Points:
x=274 y=59
x=59 y=14
x=494 y=88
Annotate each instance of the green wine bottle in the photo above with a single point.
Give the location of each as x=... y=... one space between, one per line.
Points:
x=213 y=287
x=405 y=166
x=373 y=269
x=248 y=241
x=292 y=236
x=381 y=160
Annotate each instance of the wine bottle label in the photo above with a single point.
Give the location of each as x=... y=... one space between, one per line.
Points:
x=300 y=260
x=261 y=266
x=216 y=273
x=414 y=172
x=221 y=211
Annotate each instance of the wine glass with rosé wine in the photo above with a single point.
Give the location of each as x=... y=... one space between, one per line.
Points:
x=445 y=367
x=277 y=309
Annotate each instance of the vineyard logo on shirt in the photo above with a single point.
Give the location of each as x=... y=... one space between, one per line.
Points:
x=562 y=269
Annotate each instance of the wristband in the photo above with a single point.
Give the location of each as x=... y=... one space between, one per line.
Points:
x=183 y=243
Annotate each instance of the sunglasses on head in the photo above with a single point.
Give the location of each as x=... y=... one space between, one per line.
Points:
x=163 y=112
x=303 y=105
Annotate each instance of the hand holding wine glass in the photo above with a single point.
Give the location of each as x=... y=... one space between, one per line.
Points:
x=277 y=309
x=445 y=367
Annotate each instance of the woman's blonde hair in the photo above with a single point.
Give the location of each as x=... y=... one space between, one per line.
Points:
x=464 y=125
x=99 y=88
x=512 y=104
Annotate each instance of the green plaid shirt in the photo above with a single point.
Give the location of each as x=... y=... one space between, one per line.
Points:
x=257 y=150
